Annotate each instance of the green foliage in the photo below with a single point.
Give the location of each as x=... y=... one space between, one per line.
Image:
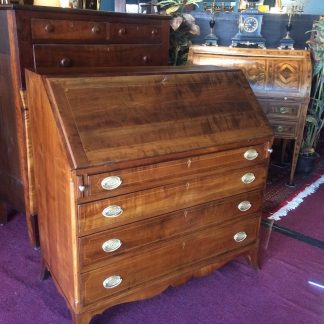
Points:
x=183 y=27
x=315 y=116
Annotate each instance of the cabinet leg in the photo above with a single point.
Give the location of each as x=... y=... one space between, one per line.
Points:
x=83 y=318
x=3 y=213
x=294 y=163
x=44 y=273
x=253 y=259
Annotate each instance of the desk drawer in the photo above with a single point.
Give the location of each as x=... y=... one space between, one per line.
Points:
x=125 y=181
x=97 y=55
x=65 y=30
x=121 y=33
x=141 y=205
x=281 y=109
x=102 y=247
x=166 y=258
x=284 y=129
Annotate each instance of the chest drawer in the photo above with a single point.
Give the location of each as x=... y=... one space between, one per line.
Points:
x=116 y=211
x=128 y=33
x=102 y=247
x=65 y=30
x=97 y=55
x=166 y=258
x=124 y=181
x=281 y=109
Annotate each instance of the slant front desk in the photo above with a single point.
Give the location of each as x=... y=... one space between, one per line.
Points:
x=281 y=80
x=145 y=180
x=43 y=37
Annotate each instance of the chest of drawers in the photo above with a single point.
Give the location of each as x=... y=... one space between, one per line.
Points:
x=54 y=38
x=281 y=80
x=145 y=180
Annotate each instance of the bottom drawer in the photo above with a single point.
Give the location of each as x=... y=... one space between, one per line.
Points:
x=284 y=129
x=167 y=258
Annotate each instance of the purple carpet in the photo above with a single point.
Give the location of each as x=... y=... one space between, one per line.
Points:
x=279 y=293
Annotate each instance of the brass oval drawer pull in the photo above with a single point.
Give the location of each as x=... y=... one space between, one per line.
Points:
x=122 y=31
x=283 y=110
x=111 y=245
x=49 y=28
x=95 y=29
x=112 y=282
x=244 y=205
x=280 y=129
x=240 y=237
x=111 y=183
x=248 y=178
x=112 y=211
x=251 y=154
x=65 y=62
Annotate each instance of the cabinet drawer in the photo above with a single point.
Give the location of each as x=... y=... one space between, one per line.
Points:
x=99 y=248
x=281 y=109
x=98 y=55
x=284 y=129
x=121 y=182
x=165 y=199
x=122 y=33
x=166 y=258
x=65 y=30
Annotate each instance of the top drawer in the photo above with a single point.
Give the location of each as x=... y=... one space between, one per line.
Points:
x=121 y=33
x=48 y=29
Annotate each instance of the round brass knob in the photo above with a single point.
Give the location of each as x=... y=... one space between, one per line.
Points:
x=145 y=59
x=66 y=62
x=154 y=31
x=95 y=29
x=122 y=31
x=49 y=28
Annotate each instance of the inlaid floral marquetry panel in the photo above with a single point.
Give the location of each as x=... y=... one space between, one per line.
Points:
x=286 y=75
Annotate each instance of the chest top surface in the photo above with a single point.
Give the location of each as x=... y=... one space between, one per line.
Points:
x=112 y=119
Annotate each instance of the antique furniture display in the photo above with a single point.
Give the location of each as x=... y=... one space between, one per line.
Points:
x=280 y=79
x=41 y=37
x=138 y=192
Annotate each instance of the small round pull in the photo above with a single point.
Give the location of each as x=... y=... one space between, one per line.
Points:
x=154 y=31
x=283 y=110
x=270 y=150
x=251 y=154
x=111 y=183
x=285 y=98
x=248 y=178
x=65 y=62
x=111 y=245
x=49 y=28
x=112 y=282
x=95 y=29
x=122 y=31
x=112 y=211
x=240 y=236
x=81 y=188
x=280 y=129
x=145 y=59
x=244 y=205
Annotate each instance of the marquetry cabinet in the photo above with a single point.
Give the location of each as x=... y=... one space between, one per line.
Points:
x=145 y=179
x=281 y=80
x=43 y=37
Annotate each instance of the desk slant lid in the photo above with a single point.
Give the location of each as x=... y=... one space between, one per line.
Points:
x=113 y=119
